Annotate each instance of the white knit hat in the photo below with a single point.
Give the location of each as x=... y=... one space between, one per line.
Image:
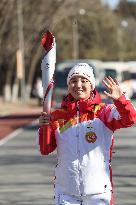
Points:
x=82 y=69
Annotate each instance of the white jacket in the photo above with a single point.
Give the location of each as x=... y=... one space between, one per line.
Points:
x=84 y=140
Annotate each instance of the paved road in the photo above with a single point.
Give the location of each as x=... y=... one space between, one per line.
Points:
x=124 y=167
x=26 y=177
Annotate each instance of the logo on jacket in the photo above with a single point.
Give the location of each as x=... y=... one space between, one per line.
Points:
x=90 y=137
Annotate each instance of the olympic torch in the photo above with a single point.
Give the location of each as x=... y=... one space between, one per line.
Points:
x=48 y=68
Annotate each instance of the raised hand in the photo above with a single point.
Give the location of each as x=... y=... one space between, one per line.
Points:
x=113 y=87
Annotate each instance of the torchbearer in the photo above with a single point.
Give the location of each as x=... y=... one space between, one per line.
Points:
x=82 y=132
x=48 y=68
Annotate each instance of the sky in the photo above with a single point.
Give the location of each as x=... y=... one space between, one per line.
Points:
x=114 y=3
x=111 y=3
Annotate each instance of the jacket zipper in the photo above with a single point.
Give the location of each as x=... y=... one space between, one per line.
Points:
x=78 y=150
x=77 y=112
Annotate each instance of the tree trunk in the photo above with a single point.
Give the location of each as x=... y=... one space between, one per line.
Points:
x=7 y=92
x=35 y=60
x=15 y=90
x=7 y=87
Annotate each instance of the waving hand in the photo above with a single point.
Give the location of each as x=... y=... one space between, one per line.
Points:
x=114 y=89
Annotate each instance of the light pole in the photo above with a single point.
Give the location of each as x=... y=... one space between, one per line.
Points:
x=75 y=40
x=122 y=25
x=21 y=48
x=76 y=35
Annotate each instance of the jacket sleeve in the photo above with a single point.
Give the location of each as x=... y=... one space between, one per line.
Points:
x=121 y=114
x=46 y=147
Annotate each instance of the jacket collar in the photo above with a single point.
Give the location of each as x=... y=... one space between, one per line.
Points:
x=70 y=104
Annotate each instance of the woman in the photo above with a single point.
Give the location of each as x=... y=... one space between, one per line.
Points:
x=82 y=130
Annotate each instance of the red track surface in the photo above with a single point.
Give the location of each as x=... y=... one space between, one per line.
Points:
x=10 y=123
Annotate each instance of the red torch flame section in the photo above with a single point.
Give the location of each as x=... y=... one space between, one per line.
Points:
x=48 y=41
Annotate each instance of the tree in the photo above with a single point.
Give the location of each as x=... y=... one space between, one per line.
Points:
x=97 y=34
x=127 y=8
